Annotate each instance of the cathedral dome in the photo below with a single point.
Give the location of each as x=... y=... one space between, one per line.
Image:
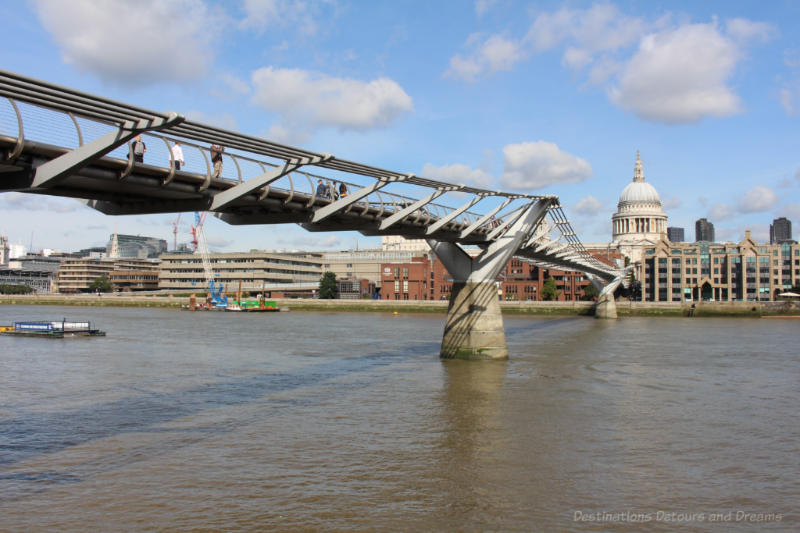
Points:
x=639 y=193
x=640 y=218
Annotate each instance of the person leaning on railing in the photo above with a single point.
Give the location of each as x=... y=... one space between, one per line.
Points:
x=216 y=158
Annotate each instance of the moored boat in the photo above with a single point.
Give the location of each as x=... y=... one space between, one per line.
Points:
x=56 y=329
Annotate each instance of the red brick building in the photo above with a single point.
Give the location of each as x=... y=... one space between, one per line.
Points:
x=423 y=279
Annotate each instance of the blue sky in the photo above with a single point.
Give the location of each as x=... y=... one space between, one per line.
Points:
x=540 y=97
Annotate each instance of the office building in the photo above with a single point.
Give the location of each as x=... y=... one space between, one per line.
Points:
x=780 y=230
x=675 y=234
x=76 y=275
x=256 y=270
x=38 y=272
x=135 y=246
x=365 y=264
x=709 y=271
x=703 y=231
x=5 y=250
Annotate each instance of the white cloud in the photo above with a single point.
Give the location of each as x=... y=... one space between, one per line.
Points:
x=499 y=53
x=533 y=165
x=34 y=202
x=721 y=211
x=791 y=211
x=671 y=202
x=482 y=6
x=599 y=28
x=313 y=99
x=759 y=198
x=494 y=54
x=576 y=58
x=235 y=84
x=295 y=135
x=463 y=69
x=679 y=75
x=134 y=43
x=588 y=206
x=222 y=120
x=305 y=241
x=458 y=173
x=746 y=30
x=791 y=58
x=758 y=232
x=263 y=14
x=790 y=98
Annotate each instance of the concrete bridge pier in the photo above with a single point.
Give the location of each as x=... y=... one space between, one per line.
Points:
x=606 y=306
x=474 y=326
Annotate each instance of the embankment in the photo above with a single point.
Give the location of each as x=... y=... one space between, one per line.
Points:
x=624 y=308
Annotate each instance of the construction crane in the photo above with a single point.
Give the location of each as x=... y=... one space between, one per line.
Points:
x=216 y=300
x=175 y=233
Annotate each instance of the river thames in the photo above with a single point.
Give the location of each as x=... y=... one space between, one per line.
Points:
x=350 y=422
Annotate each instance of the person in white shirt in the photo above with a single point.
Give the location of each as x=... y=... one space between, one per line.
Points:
x=177 y=155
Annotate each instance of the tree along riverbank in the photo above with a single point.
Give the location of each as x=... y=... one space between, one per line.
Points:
x=624 y=307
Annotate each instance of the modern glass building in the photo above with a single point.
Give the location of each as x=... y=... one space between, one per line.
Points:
x=135 y=246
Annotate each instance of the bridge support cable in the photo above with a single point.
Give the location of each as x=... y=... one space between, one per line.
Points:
x=474 y=325
x=484 y=219
x=50 y=172
x=407 y=211
x=234 y=193
x=453 y=214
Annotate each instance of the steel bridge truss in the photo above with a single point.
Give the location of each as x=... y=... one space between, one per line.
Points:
x=83 y=150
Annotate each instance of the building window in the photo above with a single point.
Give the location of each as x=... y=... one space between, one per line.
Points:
x=405 y=286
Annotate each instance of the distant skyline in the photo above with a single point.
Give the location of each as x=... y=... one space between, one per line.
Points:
x=538 y=97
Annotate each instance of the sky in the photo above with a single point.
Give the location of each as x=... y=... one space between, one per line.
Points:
x=537 y=97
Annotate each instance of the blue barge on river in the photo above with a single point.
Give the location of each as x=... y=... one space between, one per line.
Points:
x=56 y=329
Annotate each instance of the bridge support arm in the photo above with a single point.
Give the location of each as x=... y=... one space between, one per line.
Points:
x=64 y=165
x=234 y=193
x=453 y=214
x=403 y=213
x=474 y=324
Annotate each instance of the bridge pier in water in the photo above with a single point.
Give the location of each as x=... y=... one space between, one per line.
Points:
x=606 y=306
x=474 y=325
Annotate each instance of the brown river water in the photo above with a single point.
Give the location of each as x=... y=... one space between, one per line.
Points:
x=350 y=422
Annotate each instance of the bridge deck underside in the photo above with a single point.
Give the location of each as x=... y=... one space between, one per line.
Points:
x=144 y=191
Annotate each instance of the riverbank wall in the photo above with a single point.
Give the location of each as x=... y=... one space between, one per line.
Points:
x=624 y=307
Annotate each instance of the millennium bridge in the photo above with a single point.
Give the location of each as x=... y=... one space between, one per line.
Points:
x=61 y=142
